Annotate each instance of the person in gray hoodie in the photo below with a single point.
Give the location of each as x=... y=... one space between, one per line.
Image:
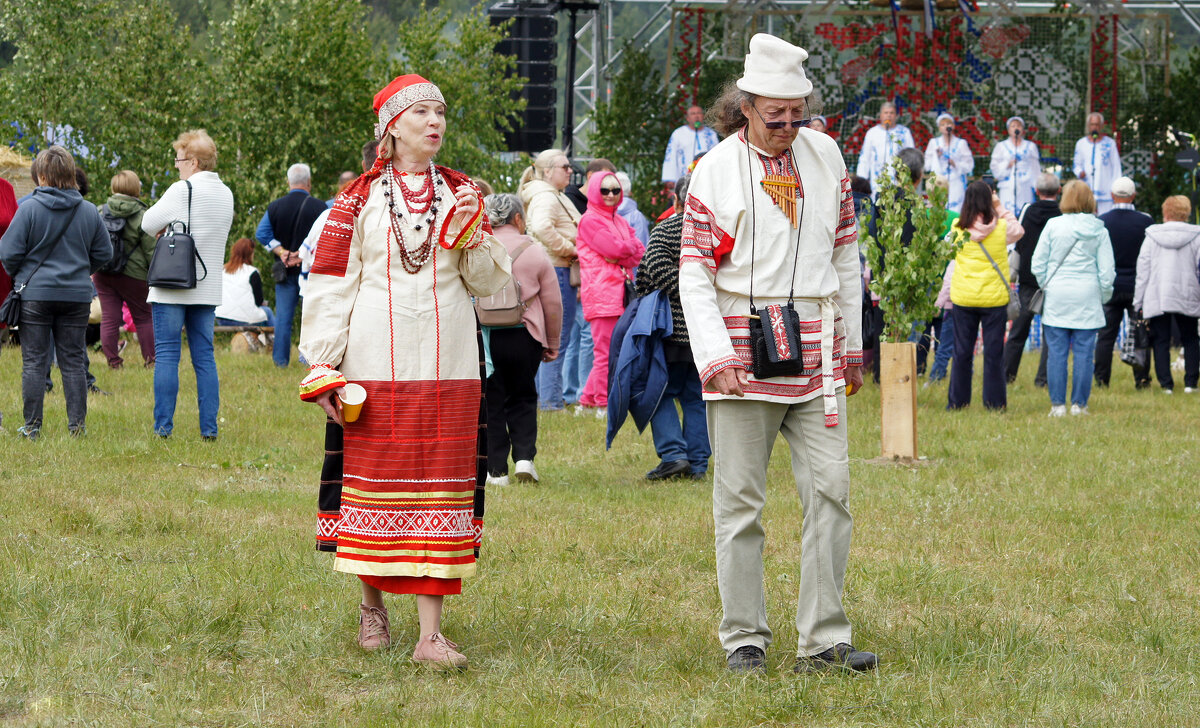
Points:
x=1167 y=291
x=53 y=245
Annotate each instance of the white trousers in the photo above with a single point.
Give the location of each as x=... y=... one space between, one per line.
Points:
x=743 y=433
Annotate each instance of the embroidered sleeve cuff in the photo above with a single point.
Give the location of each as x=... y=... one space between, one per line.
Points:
x=854 y=358
x=321 y=378
x=721 y=364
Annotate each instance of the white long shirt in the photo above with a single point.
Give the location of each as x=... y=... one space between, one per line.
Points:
x=955 y=162
x=878 y=148
x=1015 y=182
x=1098 y=164
x=685 y=144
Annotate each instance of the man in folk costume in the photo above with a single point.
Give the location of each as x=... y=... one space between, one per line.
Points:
x=881 y=144
x=1098 y=161
x=389 y=308
x=950 y=157
x=686 y=143
x=769 y=260
x=1016 y=164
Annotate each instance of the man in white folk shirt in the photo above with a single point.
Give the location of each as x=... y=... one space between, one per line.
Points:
x=950 y=156
x=881 y=144
x=1098 y=161
x=686 y=143
x=1016 y=164
x=751 y=249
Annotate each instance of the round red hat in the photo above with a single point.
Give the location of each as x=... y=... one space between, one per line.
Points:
x=401 y=93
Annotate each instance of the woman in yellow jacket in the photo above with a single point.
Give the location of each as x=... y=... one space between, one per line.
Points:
x=979 y=291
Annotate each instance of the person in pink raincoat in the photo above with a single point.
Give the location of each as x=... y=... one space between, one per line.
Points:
x=608 y=252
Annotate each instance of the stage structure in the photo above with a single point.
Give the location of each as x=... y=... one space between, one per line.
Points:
x=981 y=62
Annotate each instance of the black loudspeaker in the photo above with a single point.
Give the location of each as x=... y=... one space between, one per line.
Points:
x=532 y=39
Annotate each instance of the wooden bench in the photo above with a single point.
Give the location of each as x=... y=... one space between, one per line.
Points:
x=249 y=339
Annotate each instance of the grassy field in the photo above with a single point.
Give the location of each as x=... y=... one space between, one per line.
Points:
x=1034 y=572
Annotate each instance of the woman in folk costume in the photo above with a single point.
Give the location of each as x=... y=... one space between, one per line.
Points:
x=1016 y=164
x=388 y=306
x=950 y=157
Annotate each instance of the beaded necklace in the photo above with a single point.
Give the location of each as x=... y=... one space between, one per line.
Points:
x=418 y=202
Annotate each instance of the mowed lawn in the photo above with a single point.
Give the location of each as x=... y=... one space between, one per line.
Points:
x=1033 y=572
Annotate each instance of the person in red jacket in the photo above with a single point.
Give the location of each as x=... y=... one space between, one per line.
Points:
x=608 y=252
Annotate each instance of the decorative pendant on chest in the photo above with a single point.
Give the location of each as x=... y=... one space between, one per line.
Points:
x=783 y=190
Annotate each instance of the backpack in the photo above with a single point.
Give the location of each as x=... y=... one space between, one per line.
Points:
x=116 y=235
x=504 y=307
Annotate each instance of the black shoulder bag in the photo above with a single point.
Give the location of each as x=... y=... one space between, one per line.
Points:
x=173 y=264
x=777 y=355
x=10 y=310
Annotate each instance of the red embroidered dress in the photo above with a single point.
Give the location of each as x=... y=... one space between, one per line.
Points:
x=716 y=254
x=409 y=464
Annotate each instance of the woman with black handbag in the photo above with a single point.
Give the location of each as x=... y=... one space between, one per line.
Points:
x=202 y=206
x=55 y=242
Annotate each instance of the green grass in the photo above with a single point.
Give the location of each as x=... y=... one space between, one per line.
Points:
x=1034 y=572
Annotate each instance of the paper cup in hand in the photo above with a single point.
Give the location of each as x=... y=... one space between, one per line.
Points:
x=352 y=397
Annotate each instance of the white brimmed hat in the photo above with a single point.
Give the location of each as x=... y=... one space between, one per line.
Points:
x=774 y=69
x=944 y=115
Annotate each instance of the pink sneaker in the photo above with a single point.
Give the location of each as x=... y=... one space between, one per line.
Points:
x=373 y=626
x=437 y=651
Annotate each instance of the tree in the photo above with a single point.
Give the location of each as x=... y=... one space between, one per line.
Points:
x=478 y=85
x=292 y=82
x=911 y=274
x=633 y=126
x=112 y=81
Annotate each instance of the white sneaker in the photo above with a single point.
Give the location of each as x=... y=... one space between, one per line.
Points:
x=1058 y=410
x=525 y=472
x=1189 y=390
x=500 y=480
x=1168 y=391
x=602 y=413
x=1076 y=410
x=580 y=410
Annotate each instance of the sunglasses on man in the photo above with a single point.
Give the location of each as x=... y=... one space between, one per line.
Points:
x=775 y=125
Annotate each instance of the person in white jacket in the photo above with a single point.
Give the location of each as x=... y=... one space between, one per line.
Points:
x=1167 y=291
x=950 y=156
x=881 y=144
x=1016 y=164
x=1098 y=161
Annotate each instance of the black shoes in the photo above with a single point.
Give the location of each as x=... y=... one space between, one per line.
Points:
x=747 y=658
x=96 y=390
x=665 y=470
x=839 y=657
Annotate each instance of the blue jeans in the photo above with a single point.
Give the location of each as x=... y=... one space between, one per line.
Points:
x=550 y=374
x=287 y=297
x=170 y=319
x=689 y=442
x=270 y=320
x=1060 y=343
x=945 y=347
x=579 y=365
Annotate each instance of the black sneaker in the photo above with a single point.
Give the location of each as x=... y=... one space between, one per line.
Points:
x=747 y=658
x=667 y=470
x=96 y=390
x=841 y=656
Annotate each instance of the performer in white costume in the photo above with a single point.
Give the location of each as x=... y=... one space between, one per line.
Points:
x=881 y=143
x=950 y=157
x=1016 y=163
x=1098 y=161
x=687 y=142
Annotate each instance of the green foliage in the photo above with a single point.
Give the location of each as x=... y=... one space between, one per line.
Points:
x=632 y=127
x=292 y=82
x=118 y=74
x=911 y=274
x=477 y=86
x=1153 y=117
